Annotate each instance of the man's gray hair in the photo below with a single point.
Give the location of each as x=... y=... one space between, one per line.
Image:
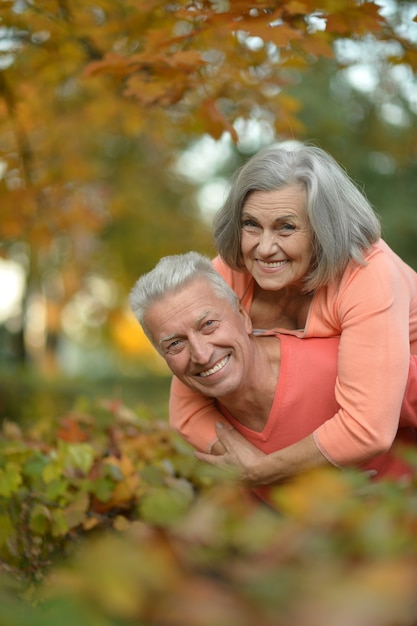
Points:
x=169 y=275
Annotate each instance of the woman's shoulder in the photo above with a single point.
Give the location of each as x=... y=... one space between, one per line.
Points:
x=382 y=276
x=381 y=259
x=239 y=281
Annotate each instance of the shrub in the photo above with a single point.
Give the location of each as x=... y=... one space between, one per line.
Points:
x=107 y=519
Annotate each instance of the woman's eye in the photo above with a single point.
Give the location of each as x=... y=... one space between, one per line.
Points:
x=250 y=224
x=288 y=227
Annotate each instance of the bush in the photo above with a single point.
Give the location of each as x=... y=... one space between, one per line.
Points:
x=107 y=518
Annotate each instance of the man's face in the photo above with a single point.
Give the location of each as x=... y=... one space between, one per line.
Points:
x=204 y=341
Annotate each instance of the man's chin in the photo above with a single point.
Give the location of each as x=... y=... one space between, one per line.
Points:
x=212 y=389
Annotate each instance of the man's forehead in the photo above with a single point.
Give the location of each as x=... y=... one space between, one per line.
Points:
x=193 y=302
x=198 y=289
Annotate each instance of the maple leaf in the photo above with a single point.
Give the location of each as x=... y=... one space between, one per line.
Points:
x=112 y=63
x=71 y=431
x=360 y=20
x=215 y=122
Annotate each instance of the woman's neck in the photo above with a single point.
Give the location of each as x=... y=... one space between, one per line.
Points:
x=280 y=309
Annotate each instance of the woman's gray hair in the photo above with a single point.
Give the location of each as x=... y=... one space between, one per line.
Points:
x=169 y=275
x=343 y=223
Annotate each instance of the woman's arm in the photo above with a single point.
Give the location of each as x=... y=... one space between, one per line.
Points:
x=256 y=468
x=373 y=308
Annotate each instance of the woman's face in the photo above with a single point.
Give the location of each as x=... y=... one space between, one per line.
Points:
x=277 y=238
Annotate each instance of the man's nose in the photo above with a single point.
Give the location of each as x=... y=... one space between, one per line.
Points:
x=201 y=349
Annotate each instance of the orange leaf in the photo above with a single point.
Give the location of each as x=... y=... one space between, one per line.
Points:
x=318 y=45
x=281 y=35
x=215 y=122
x=111 y=63
x=71 y=431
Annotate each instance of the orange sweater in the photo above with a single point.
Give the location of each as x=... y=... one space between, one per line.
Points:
x=295 y=414
x=373 y=308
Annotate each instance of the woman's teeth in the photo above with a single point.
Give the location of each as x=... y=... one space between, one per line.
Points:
x=271 y=264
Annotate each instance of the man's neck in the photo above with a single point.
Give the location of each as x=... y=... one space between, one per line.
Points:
x=251 y=404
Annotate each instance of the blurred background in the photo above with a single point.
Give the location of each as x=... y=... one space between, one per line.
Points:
x=120 y=125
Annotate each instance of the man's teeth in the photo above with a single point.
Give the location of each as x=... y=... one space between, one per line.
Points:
x=220 y=365
x=271 y=264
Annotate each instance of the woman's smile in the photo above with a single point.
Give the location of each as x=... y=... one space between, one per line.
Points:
x=271 y=265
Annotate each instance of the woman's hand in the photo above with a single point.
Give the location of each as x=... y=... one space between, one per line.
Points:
x=239 y=455
x=256 y=468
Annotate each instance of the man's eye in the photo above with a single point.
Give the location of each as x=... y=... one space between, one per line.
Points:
x=209 y=326
x=175 y=346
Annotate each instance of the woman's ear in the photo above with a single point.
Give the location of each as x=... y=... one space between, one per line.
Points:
x=246 y=319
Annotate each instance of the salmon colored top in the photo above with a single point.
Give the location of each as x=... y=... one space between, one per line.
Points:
x=295 y=415
x=373 y=308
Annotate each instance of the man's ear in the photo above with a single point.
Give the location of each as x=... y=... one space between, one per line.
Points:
x=246 y=319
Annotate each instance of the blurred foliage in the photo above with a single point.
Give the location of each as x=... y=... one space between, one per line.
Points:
x=107 y=519
x=65 y=477
x=26 y=397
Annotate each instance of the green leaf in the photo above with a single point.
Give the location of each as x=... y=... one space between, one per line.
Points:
x=56 y=488
x=6 y=529
x=35 y=465
x=10 y=479
x=75 y=512
x=59 y=525
x=52 y=472
x=102 y=488
x=163 y=506
x=40 y=519
x=153 y=476
x=78 y=456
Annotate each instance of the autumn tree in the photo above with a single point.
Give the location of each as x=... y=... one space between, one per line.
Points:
x=98 y=98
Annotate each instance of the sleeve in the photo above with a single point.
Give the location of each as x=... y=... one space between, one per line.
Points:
x=191 y=414
x=373 y=305
x=408 y=416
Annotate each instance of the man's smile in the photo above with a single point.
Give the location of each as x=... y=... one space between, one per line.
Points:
x=216 y=368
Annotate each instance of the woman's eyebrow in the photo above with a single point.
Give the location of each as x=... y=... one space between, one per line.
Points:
x=280 y=218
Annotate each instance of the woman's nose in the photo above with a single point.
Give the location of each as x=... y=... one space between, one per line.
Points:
x=267 y=242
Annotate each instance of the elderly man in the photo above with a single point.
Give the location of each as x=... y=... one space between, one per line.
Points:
x=273 y=389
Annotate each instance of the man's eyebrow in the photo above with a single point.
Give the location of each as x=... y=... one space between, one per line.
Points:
x=168 y=338
x=198 y=321
x=202 y=317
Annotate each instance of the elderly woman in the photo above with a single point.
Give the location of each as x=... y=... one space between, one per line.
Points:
x=301 y=246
